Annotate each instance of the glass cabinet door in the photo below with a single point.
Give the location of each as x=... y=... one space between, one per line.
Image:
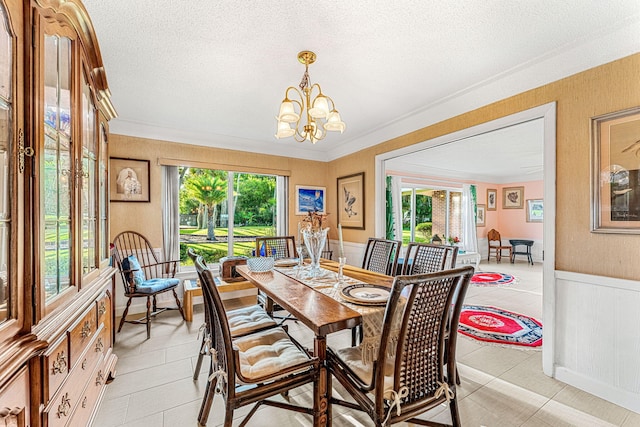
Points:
x=58 y=174
x=6 y=107
x=88 y=171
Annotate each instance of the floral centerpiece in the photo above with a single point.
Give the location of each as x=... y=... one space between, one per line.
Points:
x=315 y=238
x=454 y=240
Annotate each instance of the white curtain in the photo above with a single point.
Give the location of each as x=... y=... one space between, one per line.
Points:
x=396 y=200
x=469 y=236
x=170 y=213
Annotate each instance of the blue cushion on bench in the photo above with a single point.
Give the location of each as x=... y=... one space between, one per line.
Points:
x=133 y=272
x=155 y=285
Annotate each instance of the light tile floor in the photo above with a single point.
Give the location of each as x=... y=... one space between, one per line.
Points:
x=500 y=386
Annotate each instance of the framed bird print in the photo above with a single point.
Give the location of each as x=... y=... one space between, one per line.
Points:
x=351 y=201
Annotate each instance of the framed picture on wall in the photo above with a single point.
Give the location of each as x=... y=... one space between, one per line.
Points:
x=615 y=172
x=492 y=199
x=512 y=197
x=480 y=215
x=129 y=180
x=535 y=210
x=351 y=201
x=310 y=199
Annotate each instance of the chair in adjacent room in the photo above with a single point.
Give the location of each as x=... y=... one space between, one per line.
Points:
x=242 y=321
x=143 y=275
x=278 y=247
x=251 y=368
x=495 y=245
x=415 y=368
x=428 y=258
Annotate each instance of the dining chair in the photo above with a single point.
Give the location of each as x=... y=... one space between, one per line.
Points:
x=495 y=245
x=242 y=321
x=251 y=368
x=427 y=258
x=278 y=247
x=415 y=368
x=380 y=256
x=143 y=276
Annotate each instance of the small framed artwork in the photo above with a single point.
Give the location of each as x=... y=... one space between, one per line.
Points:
x=129 y=180
x=492 y=199
x=310 y=199
x=535 y=210
x=615 y=172
x=351 y=201
x=512 y=197
x=480 y=214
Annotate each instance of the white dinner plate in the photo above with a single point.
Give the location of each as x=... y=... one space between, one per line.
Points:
x=286 y=262
x=366 y=294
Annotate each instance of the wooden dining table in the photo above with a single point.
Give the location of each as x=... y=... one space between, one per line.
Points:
x=320 y=313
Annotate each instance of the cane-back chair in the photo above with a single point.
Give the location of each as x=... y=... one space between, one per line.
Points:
x=380 y=256
x=143 y=275
x=495 y=245
x=277 y=247
x=242 y=321
x=415 y=370
x=264 y=363
x=428 y=258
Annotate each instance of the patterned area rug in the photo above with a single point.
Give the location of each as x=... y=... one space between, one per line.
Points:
x=486 y=278
x=498 y=326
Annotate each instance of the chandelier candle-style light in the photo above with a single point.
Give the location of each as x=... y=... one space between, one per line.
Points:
x=321 y=113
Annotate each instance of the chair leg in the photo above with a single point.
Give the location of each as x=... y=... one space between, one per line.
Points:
x=155 y=304
x=201 y=353
x=178 y=303
x=207 y=400
x=149 y=316
x=124 y=314
x=455 y=415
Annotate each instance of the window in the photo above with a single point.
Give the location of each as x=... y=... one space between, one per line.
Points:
x=222 y=212
x=427 y=211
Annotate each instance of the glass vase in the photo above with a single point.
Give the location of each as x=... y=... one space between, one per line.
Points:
x=315 y=241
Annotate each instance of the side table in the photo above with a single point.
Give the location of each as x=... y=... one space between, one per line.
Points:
x=192 y=289
x=520 y=242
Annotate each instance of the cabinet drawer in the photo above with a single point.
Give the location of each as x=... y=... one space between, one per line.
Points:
x=60 y=408
x=14 y=400
x=81 y=333
x=56 y=363
x=103 y=307
x=89 y=397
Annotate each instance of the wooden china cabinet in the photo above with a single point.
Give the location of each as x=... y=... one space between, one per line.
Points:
x=56 y=287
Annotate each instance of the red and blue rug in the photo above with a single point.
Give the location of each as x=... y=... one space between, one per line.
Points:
x=486 y=278
x=498 y=326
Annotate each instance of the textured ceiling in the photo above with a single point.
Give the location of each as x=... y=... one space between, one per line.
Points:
x=214 y=72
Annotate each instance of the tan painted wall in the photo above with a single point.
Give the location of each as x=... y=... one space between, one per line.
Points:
x=147 y=217
x=611 y=87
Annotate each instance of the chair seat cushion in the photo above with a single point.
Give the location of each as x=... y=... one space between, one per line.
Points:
x=352 y=357
x=152 y=286
x=268 y=352
x=248 y=319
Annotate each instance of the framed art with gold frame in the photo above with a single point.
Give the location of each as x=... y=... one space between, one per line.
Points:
x=492 y=199
x=351 y=201
x=512 y=197
x=615 y=172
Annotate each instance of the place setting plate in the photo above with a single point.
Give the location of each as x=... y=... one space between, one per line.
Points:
x=365 y=294
x=286 y=262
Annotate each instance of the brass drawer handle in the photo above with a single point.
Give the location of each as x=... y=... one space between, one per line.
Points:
x=64 y=407
x=99 y=378
x=84 y=364
x=102 y=308
x=60 y=364
x=86 y=329
x=99 y=345
x=84 y=402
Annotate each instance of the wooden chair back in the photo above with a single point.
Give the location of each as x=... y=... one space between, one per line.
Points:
x=494 y=236
x=130 y=243
x=423 y=258
x=276 y=246
x=381 y=256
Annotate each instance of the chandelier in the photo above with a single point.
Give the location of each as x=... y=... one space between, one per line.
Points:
x=321 y=114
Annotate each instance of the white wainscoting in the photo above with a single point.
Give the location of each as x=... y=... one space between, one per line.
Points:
x=597 y=344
